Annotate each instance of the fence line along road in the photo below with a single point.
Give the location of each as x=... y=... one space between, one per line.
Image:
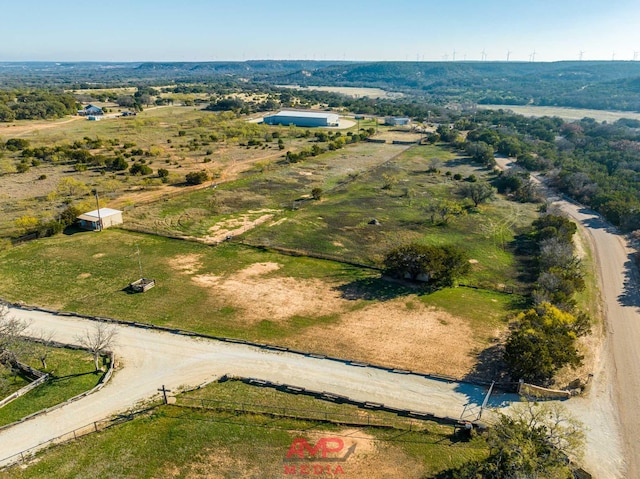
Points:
x=152 y=358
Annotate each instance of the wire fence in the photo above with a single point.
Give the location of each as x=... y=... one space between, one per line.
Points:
x=95 y=426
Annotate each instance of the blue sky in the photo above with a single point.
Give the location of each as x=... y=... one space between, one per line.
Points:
x=200 y=30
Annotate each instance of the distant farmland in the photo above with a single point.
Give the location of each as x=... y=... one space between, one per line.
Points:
x=568 y=114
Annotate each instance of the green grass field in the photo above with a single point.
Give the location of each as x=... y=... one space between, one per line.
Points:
x=88 y=273
x=72 y=373
x=179 y=442
x=65 y=271
x=337 y=225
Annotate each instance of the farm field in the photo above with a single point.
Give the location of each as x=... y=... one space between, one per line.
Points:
x=567 y=114
x=182 y=442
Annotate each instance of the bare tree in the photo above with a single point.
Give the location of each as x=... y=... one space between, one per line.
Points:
x=42 y=346
x=11 y=332
x=98 y=340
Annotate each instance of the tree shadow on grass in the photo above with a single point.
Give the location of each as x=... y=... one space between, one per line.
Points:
x=380 y=289
x=55 y=378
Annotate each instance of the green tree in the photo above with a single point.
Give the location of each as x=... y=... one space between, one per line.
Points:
x=6 y=113
x=140 y=169
x=119 y=164
x=478 y=192
x=448 y=209
x=437 y=265
x=196 y=177
x=480 y=152
x=531 y=441
x=541 y=342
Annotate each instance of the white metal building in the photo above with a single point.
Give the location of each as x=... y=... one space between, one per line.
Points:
x=302 y=118
x=98 y=220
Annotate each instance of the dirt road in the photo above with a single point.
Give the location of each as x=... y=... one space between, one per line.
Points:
x=611 y=409
x=149 y=359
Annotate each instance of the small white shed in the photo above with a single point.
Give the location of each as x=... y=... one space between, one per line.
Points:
x=98 y=220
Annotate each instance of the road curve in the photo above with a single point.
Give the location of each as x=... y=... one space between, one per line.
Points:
x=148 y=359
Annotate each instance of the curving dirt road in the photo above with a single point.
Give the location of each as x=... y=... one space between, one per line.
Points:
x=148 y=359
x=612 y=409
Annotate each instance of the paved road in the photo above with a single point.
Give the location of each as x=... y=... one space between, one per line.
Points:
x=149 y=359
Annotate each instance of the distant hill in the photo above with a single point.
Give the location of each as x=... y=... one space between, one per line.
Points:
x=599 y=85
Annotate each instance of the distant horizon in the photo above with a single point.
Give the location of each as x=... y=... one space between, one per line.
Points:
x=163 y=31
x=332 y=60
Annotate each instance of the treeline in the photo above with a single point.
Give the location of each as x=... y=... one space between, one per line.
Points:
x=82 y=154
x=597 y=85
x=598 y=164
x=543 y=339
x=35 y=105
x=226 y=99
x=334 y=140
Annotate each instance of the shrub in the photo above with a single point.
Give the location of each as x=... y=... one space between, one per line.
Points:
x=196 y=177
x=140 y=169
x=316 y=193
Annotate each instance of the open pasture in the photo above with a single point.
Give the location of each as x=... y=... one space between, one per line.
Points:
x=238 y=291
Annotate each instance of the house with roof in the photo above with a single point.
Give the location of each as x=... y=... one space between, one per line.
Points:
x=91 y=110
x=97 y=220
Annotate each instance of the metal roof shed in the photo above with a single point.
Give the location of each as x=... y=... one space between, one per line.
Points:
x=98 y=220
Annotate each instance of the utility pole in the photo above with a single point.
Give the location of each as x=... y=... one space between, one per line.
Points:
x=95 y=192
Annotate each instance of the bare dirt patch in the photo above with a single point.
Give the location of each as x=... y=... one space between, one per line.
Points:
x=186 y=263
x=401 y=333
x=398 y=135
x=279 y=222
x=258 y=269
x=275 y=299
x=84 y=275
x=98 y=255
x=236 y=226
x=392 y=333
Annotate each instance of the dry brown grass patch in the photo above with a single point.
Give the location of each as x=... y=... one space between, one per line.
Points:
x=186 y=263
x=276 y=299
x=399 y=333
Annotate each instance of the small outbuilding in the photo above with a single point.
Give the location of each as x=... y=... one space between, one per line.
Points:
x=302 y=118
x=97 y=220
x=91 y=110
x=397 y=121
